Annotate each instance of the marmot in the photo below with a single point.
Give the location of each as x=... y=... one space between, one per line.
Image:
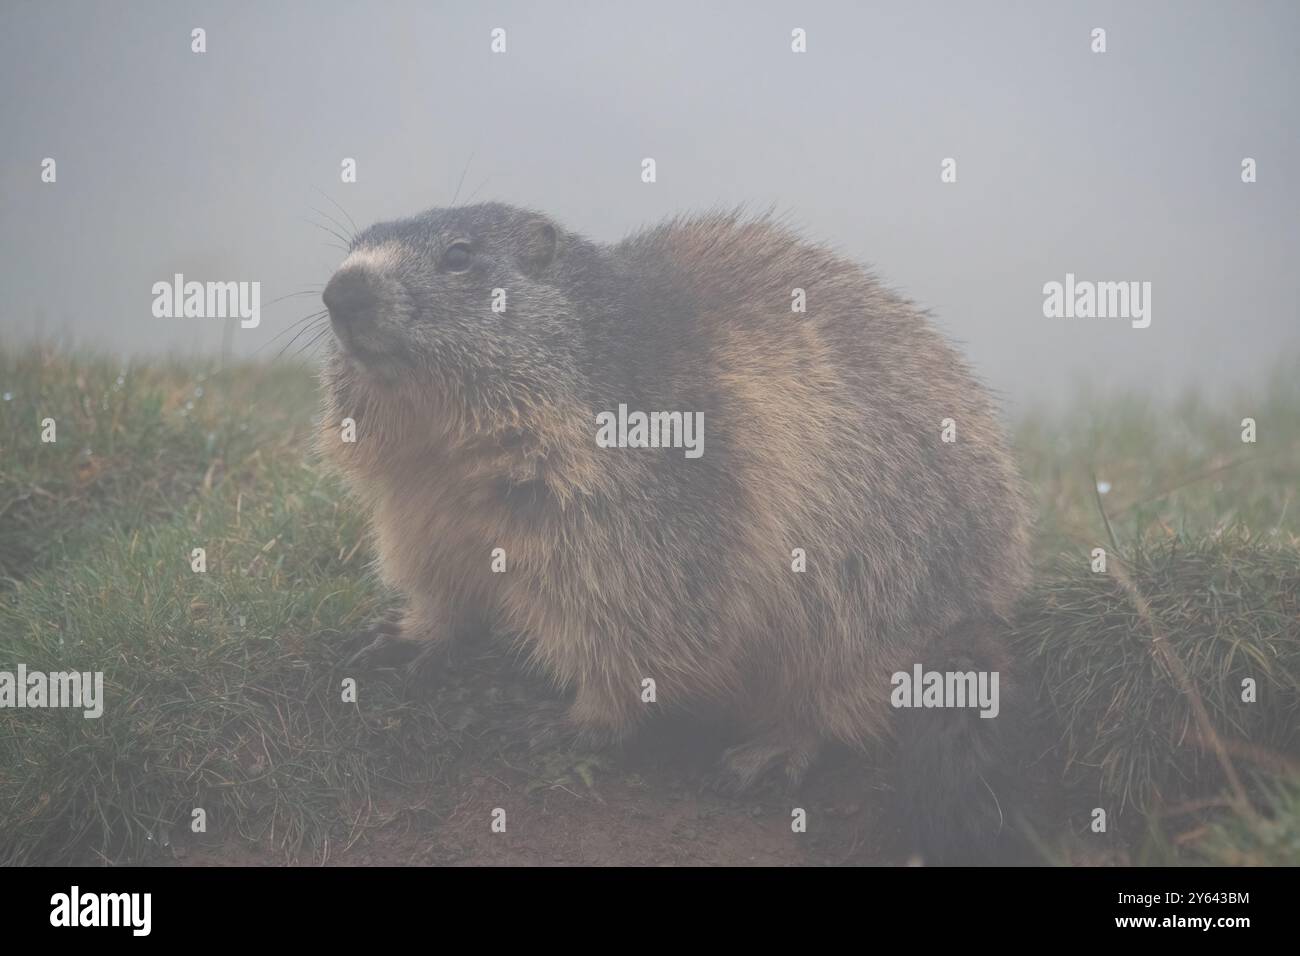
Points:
x=830 y=535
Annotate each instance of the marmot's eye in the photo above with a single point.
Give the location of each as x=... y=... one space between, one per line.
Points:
x=456 y=258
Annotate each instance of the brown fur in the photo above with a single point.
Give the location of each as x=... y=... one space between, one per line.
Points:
x=822 y=432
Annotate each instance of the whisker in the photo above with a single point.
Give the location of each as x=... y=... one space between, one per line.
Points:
x=462 y=178
x=301 y=332
x=292 y=294
x=322 y=228
x=266 y=345
x=306 y=318
x=487 y=180
x=311 y=343
x=355 y=230
x=347 y=237
x=300 y=349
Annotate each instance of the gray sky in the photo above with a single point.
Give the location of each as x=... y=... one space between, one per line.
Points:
x=1116 y=166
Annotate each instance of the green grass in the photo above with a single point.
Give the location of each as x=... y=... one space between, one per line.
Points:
x=224 y=693
x=135 y=442
x=1228 y=608
x=1202 y=536
x=225 y=687
x=1233 y=841
x=1178 y=466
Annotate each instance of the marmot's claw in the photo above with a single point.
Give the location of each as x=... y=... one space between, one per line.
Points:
x=428 y=660
x=551 y=727
x=745 y=767
x=547 y=726
x=381 y=646
x=727 y=782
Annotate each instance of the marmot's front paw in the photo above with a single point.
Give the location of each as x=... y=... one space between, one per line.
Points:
x=550 y=726
x=386 y=644
x=546 y=726
x=427 y=659
x=744 y=767
x=380 y=645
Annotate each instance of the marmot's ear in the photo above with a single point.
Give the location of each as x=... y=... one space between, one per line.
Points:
x=539 y=246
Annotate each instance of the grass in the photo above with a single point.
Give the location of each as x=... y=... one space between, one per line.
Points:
x=226 y=686
x=135 y=442
x=228 y=697
x=1227 y=607
x=1202 y=592
x=1235 y=841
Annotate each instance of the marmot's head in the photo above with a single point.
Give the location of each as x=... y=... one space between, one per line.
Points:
x=469 y=302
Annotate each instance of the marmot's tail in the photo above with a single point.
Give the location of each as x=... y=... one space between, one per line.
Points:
x=959 y=773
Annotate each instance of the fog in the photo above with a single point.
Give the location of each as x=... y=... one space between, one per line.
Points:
x=1117 y=166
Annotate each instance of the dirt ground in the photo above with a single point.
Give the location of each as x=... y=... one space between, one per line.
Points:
x=646 y=805
x=621 y=820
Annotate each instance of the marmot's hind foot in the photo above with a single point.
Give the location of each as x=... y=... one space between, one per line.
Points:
x=550 y=726
x=380 y=645
x=745 y=766
x=386 y=644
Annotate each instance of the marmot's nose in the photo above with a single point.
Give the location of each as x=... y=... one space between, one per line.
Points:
x=350 y=296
